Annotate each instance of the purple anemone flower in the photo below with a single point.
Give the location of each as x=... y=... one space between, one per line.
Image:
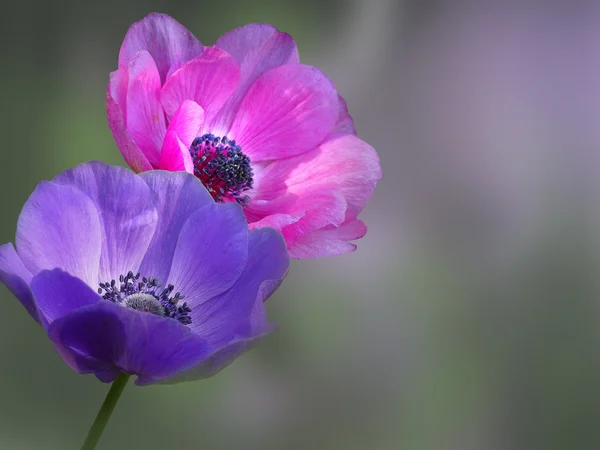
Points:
x=252 y=123
x=142 y=274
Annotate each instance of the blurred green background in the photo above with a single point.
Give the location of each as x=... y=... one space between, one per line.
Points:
x=468 y=317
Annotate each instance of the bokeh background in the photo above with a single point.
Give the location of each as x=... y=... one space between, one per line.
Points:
x=468 y=318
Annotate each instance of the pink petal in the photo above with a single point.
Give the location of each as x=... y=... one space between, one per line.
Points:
x=259 y=47
x=209 y=80
x=183 y=128
x=320 y=208
x=186 y=122
x=117 y=88
x=175 y=156
x=145 y=117
x=169 y=43
x=325 y=189
x=287 y=111
x=298 y=215
x=261 y=214
x=115 y=111
x=342 y=162
x=328 y=241
x=256 y=48
x=344 y=124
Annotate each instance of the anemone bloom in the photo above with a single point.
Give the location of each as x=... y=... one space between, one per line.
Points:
x=252 y=123
x=142 y=274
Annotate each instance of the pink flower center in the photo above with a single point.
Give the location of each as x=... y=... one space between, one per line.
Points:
x=222 y=167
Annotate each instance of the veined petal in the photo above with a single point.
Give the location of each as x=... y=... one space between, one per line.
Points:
x=342 y=162
x=256 y=48
x=287 y=111
x=127 y=212
x=59 y=227
x=262 y=218
x=209 y=80
x=145 y=120
x=321 y=207
x=268 y=261
x=116 y=100
x=168 y=42
x=179 y=195
x=211 y=253
x=326 y=187
x=329 y=241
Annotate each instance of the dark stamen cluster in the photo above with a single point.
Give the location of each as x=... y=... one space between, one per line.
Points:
x=222 y=167
x=131 y=284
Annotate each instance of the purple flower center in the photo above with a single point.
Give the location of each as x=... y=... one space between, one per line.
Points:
x=147 y=296
x=222 y=167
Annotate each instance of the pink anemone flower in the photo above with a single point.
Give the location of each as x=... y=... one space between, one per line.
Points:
x=252 y=123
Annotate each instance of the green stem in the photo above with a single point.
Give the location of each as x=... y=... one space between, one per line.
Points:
x=105 y=412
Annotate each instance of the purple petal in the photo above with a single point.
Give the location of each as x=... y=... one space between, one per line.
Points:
x=127 y=211
x=268 y=261
x=179 y=195
x=145 y=118
x=287 y=111
x=169 y=43
x=57 y=293
x=211 y=252
x=59 y=227
x=221 y=358
x=209 y=80
x=115 y=110
x=105 y=338
x=256 y=48
x=238 y=319
x=17 y=278
x=83 y=363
